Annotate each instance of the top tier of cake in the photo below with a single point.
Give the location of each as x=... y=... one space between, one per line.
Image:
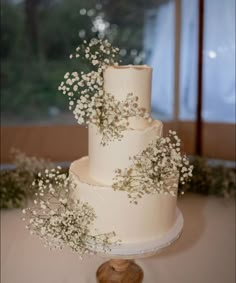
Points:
x=121 y=80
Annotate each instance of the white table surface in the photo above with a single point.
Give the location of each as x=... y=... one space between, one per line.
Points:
x=204 y=253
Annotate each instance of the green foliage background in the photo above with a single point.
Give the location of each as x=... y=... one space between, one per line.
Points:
x=29 y=80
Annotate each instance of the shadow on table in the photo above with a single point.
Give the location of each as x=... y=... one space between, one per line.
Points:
x=192 y=207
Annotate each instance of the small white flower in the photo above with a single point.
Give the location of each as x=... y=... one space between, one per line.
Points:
x=75 y=87
x=66 y=75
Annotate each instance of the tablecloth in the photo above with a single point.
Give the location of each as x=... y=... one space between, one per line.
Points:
x=204 y=253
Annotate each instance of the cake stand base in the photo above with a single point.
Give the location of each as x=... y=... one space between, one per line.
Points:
x=121 y=267
x=119 y=271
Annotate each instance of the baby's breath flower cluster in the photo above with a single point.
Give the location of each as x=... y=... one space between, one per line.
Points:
x=156 y=170
x=60 y=220
x=110 y=115
x=97 y=55
x=80 y=87
x=88 y=100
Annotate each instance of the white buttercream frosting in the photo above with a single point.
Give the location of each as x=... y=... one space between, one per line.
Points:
x=154 y=214
x=152 y=217
x=121 y=80
x=104 y=160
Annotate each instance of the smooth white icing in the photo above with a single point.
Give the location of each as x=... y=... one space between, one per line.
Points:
x=153 y=216
x=121 y=80
x=104 y=160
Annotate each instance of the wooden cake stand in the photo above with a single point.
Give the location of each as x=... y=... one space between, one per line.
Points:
x=121 y=267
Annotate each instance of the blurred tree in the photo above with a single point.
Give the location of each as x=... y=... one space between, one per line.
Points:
x=60 y=25
x=46 y=32
x=10 y=30
x=31 y=25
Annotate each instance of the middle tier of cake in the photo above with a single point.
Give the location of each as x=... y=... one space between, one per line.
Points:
x=104 y=160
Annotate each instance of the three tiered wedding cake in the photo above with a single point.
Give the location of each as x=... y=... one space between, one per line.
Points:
x=125 y=190
x=154 y=214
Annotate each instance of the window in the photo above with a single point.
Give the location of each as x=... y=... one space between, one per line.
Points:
x=164 y=34
x=219 y=62
x=36 y=47
x=159 y=46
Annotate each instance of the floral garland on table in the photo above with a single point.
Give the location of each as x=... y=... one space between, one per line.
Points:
x=211 y=178
x=87 y=98
x=60 y=220
x=16 y=184
x=156 y=170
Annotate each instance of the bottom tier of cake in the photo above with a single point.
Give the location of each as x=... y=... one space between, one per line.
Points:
x=152 y=217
